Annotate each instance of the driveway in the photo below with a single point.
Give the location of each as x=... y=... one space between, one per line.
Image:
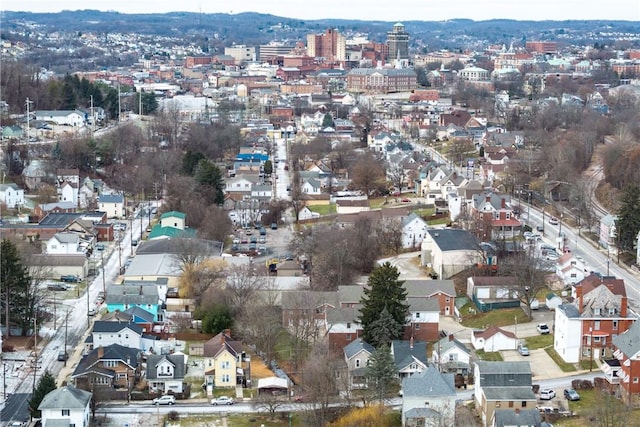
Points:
x=542 y=366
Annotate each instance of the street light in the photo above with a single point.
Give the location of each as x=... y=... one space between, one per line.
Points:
x=590 y=349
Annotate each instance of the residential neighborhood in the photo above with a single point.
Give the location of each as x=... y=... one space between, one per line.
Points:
x=312 y=221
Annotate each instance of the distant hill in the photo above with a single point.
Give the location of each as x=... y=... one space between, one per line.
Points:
x=255 y=28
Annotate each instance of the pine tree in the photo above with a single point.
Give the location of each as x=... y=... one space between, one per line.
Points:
x=628 y=222
x=16 y=294
x=381 y=372
x=209 y=177
x=46 y=385
x=383 y=292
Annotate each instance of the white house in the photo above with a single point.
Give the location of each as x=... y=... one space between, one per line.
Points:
x=570 y=269
x=68 y=192
x=428 y=399
x=450 y=355
x=68 y=406
x=61 y=117
x=11 y=195
x=311 y=186
x=112 y=204
x=240 y=184
x=306 y=213
x=64 y=243
x=126 y=334
x=356 y=357
x=173 y=219
x=165 y=373
x=494 y=339
x=552 y=301
x=414 y=230
x=449 y=251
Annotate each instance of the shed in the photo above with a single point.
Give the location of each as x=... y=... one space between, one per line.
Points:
x=273 y=385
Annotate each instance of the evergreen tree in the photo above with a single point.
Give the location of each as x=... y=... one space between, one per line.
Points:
x=385 y=328
x=381 y=372
x=327 y=121
x=268 y=167
x=628 y=222
x=209 y=177
x=46 y=385
x=17 y=298
x=383 y=292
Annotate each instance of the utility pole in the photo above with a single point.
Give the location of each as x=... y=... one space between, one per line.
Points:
x=55 y=316
x=28 y=103
x=104 y=285
x=88 y=316
x=66 y=329
x=35 y=352
x=119 y=102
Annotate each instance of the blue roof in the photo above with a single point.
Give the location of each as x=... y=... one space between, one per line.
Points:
x=111 y=198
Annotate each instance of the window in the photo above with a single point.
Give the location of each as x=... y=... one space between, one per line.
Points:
x=65 y=412
x=596 y=339
x=225 y=378
x=348 y=337
x=452 y=357
x=418 y=315
x=612 y=311
x=596 y=325
x=110 y=363
x=511 y=404
x=596 y=312
x=448 y=299
x=524 y=403
x=417 y=326
x=225 y=364
x=357 y=363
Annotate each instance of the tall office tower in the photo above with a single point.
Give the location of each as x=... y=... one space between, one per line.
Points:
x=398 y=42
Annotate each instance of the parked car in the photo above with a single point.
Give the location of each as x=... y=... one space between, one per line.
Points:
x=57 y=287
x=134 y=242
x=69 y=278
x=553 y=220
x=100 y=246
x=571 y=394
x=263 y=231
x=274 y=226
x=262 y=239
x=253 y=239
x=62 y=356
x=253 y=246
x=165 y=400
x=540 y=228
x=222 y=400
x=92 y=312
x=547 y=394
x=524 y=351
x=543 y=328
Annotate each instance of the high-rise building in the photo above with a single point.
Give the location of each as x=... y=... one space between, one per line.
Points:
x=398 y=42
x=274 y=49
x=331 y=45
x=241 y=53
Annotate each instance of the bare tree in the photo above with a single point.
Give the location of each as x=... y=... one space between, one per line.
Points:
x=396 y=175
x=319 y=385
x=529 y=271
x=367 y=173
x=388 y=232
x=243 y=284
x=269 y=402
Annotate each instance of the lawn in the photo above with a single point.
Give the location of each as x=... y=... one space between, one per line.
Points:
x=499 y=317
x=243 y=420
x=493 y=356
x=323 y=209
x=566 y=367
x=539 y=341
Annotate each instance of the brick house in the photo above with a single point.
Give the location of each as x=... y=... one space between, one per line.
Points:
x=495 y=217
x=624 y=368
x=443 y=291
x=113 y=366
x=586 y=327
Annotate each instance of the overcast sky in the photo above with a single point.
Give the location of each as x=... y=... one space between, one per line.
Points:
x=388 y=10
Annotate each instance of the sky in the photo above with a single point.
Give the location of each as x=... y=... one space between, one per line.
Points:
x=367 y=10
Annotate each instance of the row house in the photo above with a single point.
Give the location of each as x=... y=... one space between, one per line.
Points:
x=495 y=217
x=585 y=328
x=624 y=368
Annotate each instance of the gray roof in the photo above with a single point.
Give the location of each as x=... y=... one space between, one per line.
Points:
x=412 y=216
x=509 y=393
x=141 y=313
x=110 y=326
x=59 y=422
x=177 y=360
x=570 y=310
x=352 y=293
x=423 y=413
x=343 y=315
x=445 y=344
x=429 y=383
x=524 y=417
x=67 y=397
x=161 y=264
x=133 y=294
x=454 y=239
x=111 y=198
x=504 y=374
x=67 y=237
x=306 y=299
x=92 y=362
x=354 y=347
x=427 y=287
x=177 y=245
x=383 y=71
x=423 y=304
x=629 y=341
x=406 y=352
x=59 y=219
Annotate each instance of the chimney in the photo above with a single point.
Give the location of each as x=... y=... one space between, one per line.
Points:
x=504 y=203
x=100 y=352
x=140 y=289
x=579 y=297
x=623 y=307
x=411 y=342
x=488 y=199
x=517 y=411
x=450 y=337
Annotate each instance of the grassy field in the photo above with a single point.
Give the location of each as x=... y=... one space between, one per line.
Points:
x=243 y=420
x=501 y=317
x=323 y=209
x=566 y=367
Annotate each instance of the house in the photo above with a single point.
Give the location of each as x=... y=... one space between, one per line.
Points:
x=73 y=118
x=145 y=294
x=105 y=333
x=494 y=339
x=450 y=355
x=516 y=417
x=552 y=301
x=342 y=325
x=410 y=357
x=12 y=196
x=34 y=173
x=494 y=217
x=424 y=319
x=356 y=357
x=570 y=269
x=492 y=292
x=171 y=225
x=414 y=230
x=64 y=243
x=428 y=399
x=607 y=234
x=502 y=385
x=174 y=219
x=66 y=406
x=449 y=251
x=225 y=363
x=43 y=209
x=68 y=192
x=586 y=327
x=306 y=214
x=112 y=204
x=624 y=367
x=311 y=186
x=111 y=366
x=9 y=132
x=442 y=291
x=165 y=373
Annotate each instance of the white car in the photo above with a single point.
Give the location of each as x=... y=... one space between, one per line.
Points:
x=222 y=400
x=165 y=400
x=547 y=394
x=543 y=328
